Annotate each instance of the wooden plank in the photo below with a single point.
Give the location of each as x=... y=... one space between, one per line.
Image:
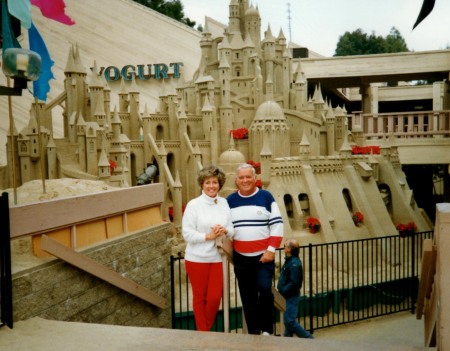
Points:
x=431 y=274
x=430 y=324
x=93 y=267
x=426 y=275
x=372 y=66
x=82 y=208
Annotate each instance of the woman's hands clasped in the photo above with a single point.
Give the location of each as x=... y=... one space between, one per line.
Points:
x=216 y=232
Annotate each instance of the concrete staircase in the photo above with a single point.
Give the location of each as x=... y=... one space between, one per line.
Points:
x=39 y=334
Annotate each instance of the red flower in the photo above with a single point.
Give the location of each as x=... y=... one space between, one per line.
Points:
x=357 y=217
x=256 y=166
x=405 y=230
x=112 y=166
x=366 y=150
x=240 y=133
x=259 y=183
x=409 y=227
x=313 y=224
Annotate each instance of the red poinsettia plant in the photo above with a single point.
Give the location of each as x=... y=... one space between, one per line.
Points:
x=112 y=166
x=240 y=133
x=406 y=229
x=256 y=166
x=366 y=150
x=313 y=224
x=357 y=217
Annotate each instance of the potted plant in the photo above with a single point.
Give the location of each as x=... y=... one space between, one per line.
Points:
x=240 y=133
x=313 y=224
x=407 y=229
x=112 y=166
x=357 y=217
x=256 y=166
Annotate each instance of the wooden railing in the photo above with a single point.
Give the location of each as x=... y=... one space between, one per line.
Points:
x=433 y=300
x=60 y=227
x=423 y=124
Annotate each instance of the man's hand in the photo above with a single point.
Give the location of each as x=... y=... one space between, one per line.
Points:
x=267 y=256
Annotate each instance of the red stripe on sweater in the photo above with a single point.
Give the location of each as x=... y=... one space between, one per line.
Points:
x=251 y=246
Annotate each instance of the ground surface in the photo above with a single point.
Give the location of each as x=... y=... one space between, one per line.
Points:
x=390 y=333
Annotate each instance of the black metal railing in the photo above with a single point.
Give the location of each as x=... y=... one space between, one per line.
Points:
x=6 y=310
x=343 y=282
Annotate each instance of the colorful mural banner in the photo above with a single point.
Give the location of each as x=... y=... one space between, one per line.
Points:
x=21 y=9
x=9 y=39
x=54 y=9
x=41 y=86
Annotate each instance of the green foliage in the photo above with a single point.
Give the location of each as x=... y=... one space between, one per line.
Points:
x=173 y=9
x=359 y=43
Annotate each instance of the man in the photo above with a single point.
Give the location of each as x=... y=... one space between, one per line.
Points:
x=258 y=232
x=289 y=285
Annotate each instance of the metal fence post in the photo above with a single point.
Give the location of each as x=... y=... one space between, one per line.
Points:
x=413 y=270
x=310 y=270
x=6 y=313
x=172 y=290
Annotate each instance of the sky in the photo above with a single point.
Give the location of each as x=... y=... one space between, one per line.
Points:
x=318 y=24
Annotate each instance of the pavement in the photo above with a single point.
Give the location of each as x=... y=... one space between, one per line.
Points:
x=400 y=331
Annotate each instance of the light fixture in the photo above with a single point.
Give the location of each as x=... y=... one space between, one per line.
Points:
x=22 y=65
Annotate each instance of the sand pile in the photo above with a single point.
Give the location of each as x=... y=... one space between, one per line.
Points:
x=33 y=191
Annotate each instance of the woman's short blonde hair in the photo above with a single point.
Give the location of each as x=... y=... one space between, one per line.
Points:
x=211 y=171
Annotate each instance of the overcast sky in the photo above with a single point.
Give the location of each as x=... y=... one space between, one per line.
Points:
x=318 y=24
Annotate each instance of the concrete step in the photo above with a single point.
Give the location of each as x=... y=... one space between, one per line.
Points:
x=39 y=334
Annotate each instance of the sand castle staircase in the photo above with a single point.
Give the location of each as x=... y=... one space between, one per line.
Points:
x=67 y=156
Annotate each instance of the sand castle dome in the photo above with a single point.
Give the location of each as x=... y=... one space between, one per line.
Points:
x=269 y=125
x=269 y=111
x=231 y=157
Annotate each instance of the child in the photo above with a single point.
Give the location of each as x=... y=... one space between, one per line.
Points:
x=289 y=285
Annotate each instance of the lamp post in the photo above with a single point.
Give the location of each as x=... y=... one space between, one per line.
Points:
x=22 y=65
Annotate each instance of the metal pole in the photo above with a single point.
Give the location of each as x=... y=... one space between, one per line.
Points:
x=172 y=290
x=13 y=145
x=6 y=316
x=226 y=295
x=310 y=269
x=41 y=151
x=413 y=272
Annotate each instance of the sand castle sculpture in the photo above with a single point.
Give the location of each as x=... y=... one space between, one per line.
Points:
x=247 y=102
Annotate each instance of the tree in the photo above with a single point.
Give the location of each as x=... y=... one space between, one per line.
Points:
x=394 y=42
x=172 y=9
x=359 y=43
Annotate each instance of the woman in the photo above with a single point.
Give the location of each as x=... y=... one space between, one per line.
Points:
x=205 y=219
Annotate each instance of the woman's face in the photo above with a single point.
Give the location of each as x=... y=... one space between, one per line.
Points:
x=211 y=186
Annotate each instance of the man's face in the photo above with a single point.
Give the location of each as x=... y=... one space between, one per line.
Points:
x=246 y=181
x=287 y=249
